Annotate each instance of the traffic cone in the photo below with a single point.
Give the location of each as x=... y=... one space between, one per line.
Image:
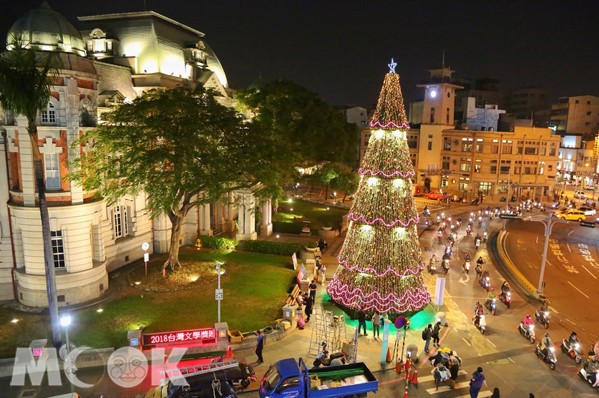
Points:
x=229 y=353
x=398 y=367
x=388 y=355
x=406 y=393
x=414 y=379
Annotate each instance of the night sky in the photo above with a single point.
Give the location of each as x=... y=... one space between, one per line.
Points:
x=340 y=48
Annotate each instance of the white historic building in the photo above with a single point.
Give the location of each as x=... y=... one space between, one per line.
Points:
x=116 y=59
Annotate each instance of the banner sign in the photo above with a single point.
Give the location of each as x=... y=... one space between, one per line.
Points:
x=194 y=336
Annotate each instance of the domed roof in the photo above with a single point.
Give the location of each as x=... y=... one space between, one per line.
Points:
x=47 y=30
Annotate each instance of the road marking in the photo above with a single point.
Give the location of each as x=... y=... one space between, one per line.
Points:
x=571 y=322
x=490 y=342
x=466 y=342
x=578 y=290
x=568 y=246
x=424 y=379
x=537 y=240
x=511 y=360
x=585 y=268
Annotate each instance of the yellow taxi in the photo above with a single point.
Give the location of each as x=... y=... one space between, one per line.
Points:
x=573 y=215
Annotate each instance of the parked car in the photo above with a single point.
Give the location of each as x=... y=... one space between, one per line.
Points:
x=580 y=195
x=573 y=215
x=434 y=195
x=588 y=210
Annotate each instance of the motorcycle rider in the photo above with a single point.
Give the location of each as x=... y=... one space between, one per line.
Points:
x=505 y=288
x=426 y=211
x=591 y=367
x=546 y=343
x=527 y=321
x=431 y=263
x=467 y=256
x=478 y=311
x=479 y=265
x=572 y=339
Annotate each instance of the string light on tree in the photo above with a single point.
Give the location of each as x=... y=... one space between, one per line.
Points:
x=380 y=265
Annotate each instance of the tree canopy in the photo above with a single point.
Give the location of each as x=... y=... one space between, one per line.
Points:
x=181 y=147
x=308 y=130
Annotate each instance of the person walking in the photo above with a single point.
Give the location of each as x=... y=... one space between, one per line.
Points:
x=308 y=308
x=454 y=369
x=476 y=382
x=313 y=286
x=427 y=335
x=376 y=324
x=435 y=333
x=259 y=346
x=362 y=322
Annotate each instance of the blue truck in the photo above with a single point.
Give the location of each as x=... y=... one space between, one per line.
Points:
x=290 y=378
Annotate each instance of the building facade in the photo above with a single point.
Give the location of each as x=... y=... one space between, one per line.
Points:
x=116 y=59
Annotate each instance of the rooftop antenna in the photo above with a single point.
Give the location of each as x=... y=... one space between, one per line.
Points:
x=443 y=59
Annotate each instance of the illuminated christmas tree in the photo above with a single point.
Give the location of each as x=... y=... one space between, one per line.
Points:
x=380 y=265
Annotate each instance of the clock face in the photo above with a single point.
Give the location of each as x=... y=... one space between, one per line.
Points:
x=433 y=93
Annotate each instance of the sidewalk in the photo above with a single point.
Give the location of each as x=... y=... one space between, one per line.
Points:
x=296 y=343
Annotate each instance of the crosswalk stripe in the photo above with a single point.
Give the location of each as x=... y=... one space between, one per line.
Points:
x=424 y=379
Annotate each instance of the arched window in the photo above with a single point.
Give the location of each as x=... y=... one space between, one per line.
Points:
x=49 y=114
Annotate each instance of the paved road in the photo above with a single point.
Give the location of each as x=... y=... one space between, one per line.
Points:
x=571 y=272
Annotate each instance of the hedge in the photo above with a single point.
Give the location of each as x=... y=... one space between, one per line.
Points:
x=269 y=247
x=287 y=227
x=218 y=242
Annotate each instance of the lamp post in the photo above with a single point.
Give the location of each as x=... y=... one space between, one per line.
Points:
x=549 y=222
x=145 y=246
x=218 y=293
x=65 y=322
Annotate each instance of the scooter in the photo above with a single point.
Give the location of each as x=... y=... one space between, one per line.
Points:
x=482 y=324
x=572 y=350
x=485 y=236
x=485 y=283
x=548 y=356
x=528 y=332
x=477 y=243
x=506 y=298
x=491 y=305
x=589 y=377
x=467 y=266
x=445 y=265
x=543 y=318
x=432 y=266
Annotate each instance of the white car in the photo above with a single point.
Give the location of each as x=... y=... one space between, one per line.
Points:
x=588 y=211
x=580 y=195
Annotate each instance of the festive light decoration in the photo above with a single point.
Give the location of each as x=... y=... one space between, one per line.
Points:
x=380 y=264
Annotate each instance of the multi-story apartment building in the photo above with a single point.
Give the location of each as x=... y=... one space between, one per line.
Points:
x=115 y=60
x=524 y=103
x=468 y=163
x=578 y=114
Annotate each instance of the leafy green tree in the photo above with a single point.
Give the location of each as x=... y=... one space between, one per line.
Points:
x=25 y=84
x=308 y=130
x=347 y=180
x=182 y=148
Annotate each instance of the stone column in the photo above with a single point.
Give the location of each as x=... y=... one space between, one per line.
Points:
x=204 y=221
x=266 y=225
x=26 y=160
x=246 y=218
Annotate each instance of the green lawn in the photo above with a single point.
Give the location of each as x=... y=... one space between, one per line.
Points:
x=317 y=213
x=255 y=288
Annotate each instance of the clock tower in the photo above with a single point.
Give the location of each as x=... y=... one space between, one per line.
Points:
x=439 y=97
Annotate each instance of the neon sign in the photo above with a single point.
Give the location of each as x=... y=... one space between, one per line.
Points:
x=203 y=336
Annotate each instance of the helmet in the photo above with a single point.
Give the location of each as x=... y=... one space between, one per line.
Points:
x=547 y=334
x=528 y=315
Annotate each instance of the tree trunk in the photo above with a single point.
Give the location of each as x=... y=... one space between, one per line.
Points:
x=173 y=255
x=47 y=242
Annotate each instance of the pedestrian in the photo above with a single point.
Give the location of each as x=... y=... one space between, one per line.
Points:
x=362 y=322
x=426 y=335
x=435 y=333
x=323 y=274
x=495 y=393
x=259 y=346
x=301 y=321
x=454 y=369
x=476 y=382
x=313 y=286
x=376 y=324
x=308 y=308
x=531 y=395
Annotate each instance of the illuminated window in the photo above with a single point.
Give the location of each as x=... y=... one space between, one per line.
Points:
x=49 y=115
x=120 y=221
x=52 y=170
x=58 y=249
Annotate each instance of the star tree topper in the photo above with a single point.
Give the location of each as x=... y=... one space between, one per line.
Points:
x=392 y=66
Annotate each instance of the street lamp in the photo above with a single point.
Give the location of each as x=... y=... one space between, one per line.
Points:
x=145 y=246
x=548 y=223
x=65 y=322
x=218 y=293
